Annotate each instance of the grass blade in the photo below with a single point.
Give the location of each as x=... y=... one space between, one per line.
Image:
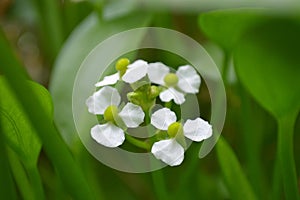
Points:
x=20 y=176
x=235 y=179
x=286 y=157
x=7 y=189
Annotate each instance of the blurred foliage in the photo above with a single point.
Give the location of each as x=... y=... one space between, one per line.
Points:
x=256 y=51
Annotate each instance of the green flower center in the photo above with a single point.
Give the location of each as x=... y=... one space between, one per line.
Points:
x=122 y=64
x=171 y=79
x=111 y=113
x=174 y=129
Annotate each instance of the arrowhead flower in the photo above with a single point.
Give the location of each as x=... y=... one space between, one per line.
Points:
x=127 y=72
x=185 y=80
x=170 y=150
x=135 y=71
x=106 y=102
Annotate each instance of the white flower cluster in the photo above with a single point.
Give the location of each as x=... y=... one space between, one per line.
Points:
x=162 y=83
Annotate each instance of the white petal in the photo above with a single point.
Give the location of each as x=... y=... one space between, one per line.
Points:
x=163 y=118
x=197 y=130
x=189 y=80
x=157 y=72
x=109 y=80
x=132 y=115
x=170 y=94
x=100 y=100
x=108 y=135
x=135 y=71
x=169 y=151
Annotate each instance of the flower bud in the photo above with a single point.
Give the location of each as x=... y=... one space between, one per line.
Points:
x=111 y=113
x=122 y=64
x=154 y=92
x=134 y=98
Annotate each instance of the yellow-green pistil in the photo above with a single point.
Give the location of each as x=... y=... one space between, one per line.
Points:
x=121 y=65
x=174 y=129
x=111 y=113
x=171 y=79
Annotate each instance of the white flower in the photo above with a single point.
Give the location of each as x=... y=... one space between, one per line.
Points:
x=132 y=73
x=169 y=150
x=108 y=135
x=109 y=80
x=135 y=71
x=105 y=102
x=100 y=100
x=185 y=80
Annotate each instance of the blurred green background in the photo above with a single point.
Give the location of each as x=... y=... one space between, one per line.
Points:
x=256 y=49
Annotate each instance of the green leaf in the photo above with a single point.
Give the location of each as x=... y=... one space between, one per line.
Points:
x=54 y=147
x=225 y=27
x=88 y=34
x=21 y=137
x=50 y=25
x=116 y=9
x=267 y=63
x=25 y=188
x=7 y=187
x=17 y=129
x=235 y=179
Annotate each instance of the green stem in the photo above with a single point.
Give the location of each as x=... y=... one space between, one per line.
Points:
x=36 y=181
x=137 y=143
x=54 y=20
x=158 y=177
x=233 y=174
x=159 y=184
x=169 y=105
x=277 y=181
x=52 y=182
x=225 y=67
x=253 y=136
x=50 y=25
x=189 y=173
x=98 y=7
x=286 y=156
x=89 y=165
x=147 y=117
x=20 y=176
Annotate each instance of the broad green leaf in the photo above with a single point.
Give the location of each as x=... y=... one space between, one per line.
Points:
x=56 y=150
x=225 y=27
x=235 y=179
x=22 y=138
x=90 y=33
x=17 y=129
x=267 y=63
